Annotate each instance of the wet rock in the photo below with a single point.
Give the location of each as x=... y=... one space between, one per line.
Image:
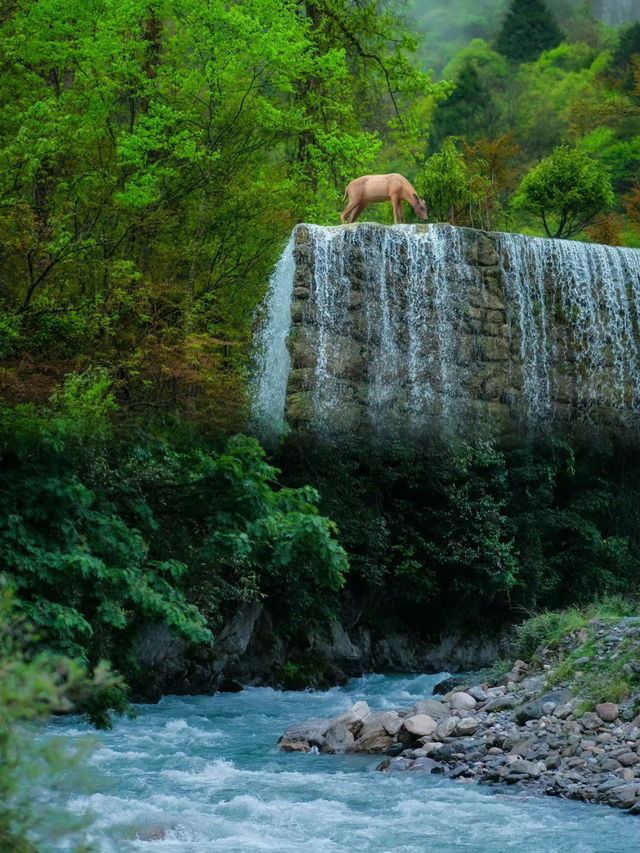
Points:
x=373 y=737
x=392 y=722
x=294 y=745
x=420 y=725
x=423 y=764
x=338 y=738
x=310 y=732
x=447 y=685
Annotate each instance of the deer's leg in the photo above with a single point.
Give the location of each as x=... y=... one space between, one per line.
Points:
x=397 y=210
x=357 y=210
x=346 y=213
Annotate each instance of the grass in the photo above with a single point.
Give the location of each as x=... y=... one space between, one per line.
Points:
x=567 y=637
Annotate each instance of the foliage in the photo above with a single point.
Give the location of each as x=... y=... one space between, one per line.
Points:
x=477 y=534
x=568 y=189
x=469 y=187
x=153 y=158
x=527 y=30
x=573 y=643
x=80 y=572
x=444 y=183
x=32 y=687
x=101 y=534
x=545 y=629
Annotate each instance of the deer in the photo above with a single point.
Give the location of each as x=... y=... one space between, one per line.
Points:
x=371 y=188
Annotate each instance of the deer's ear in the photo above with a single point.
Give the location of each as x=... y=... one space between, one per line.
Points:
x=415 y=195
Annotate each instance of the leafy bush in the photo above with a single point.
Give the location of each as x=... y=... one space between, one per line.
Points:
x=545 y=629
x=103 y=531
x=566 y=190
x=32 y=687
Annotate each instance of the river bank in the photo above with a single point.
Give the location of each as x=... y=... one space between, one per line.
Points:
x=527 y=727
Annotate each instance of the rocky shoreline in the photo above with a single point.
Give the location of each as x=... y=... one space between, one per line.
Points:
x=516 y=731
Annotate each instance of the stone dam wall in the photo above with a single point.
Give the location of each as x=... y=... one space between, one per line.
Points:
x=380 y=330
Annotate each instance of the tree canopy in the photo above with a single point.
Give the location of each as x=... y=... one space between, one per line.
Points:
x=566 y=191
x=527 y=30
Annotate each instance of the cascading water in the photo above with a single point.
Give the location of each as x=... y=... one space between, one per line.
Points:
x=397 y=326
x=577 y=308
x=272 y=358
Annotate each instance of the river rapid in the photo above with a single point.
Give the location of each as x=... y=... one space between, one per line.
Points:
x=203 y=773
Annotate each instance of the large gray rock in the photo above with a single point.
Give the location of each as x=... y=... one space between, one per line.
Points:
x=461 y=701
x=373 y=737
x=432 y=707
x=357 y=715
x=420 y=725
x=391 y=722
x=466 y=726
x=534 y=710
x=311 y=732
x=337 y=739
x=607 y=711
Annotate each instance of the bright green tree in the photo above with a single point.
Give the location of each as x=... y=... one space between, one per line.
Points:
x=527 y=30
x=444 y=183
x=566 y=191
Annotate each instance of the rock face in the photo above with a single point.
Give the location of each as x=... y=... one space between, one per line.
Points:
x=397 y=328
x=248 y=650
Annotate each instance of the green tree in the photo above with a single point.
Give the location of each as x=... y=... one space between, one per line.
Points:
x=527 y=30
x=566 y=191
x=443 y=182
x=475 y=107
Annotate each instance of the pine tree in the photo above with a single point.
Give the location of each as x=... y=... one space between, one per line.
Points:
x=528 y=29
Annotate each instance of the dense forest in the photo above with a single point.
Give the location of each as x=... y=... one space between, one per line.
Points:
x=154 y=156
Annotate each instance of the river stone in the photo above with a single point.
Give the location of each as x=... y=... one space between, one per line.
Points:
x=394 y=765
x=311 y=732
x=420 y=725
x=478 y=693
x=500 y=703
x=534 y=710
x=446 y=685
x=357 y=714
x=391 y=722
x=590 y=721
x=623 y=797
x=627 y=759
x=373 y=737
x=461 y=701
x=466 y=726
x=294 y=745
x=607 y=711
x=422 y=764
x=431 y=707
x=446 y=728
x=526 y=768
x=338 y=738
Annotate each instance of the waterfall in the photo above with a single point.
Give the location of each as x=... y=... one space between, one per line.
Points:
x=396 y=328
x=272 y=361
